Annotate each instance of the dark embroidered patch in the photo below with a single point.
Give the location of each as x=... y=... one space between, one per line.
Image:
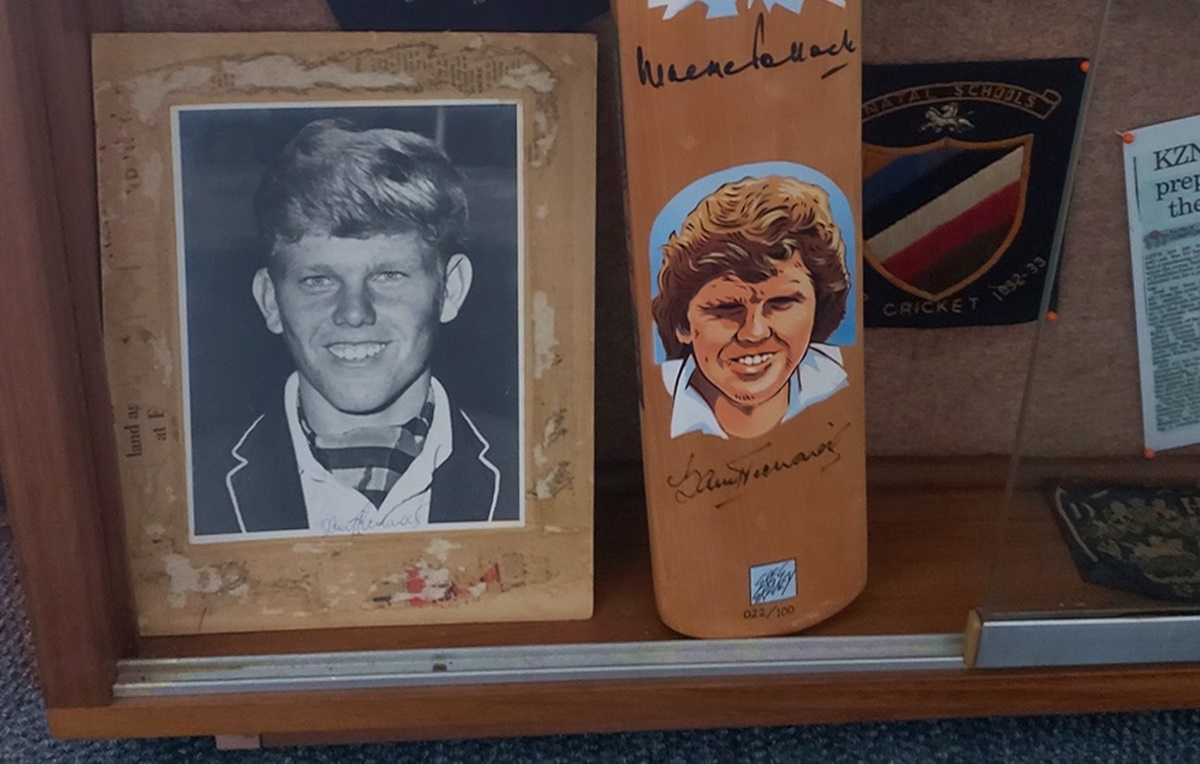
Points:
x=964 y=167
x=1137 y=539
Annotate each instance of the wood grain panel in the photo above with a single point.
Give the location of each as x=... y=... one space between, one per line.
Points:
x=1036 y=577
x=48 y=456
x=928 y=558
x=63 y=30
x=577 y=707
x=931 y=558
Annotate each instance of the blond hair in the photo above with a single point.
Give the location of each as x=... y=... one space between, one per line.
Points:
x=748 y=229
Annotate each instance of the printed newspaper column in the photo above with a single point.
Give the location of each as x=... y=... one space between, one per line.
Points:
x=744 y=161
x=1162 y=180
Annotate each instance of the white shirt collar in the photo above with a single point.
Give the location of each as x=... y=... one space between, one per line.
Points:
x=439 y=443
x=818 y=376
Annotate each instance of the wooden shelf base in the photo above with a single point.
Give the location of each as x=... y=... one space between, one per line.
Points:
x=935 y=555
x=581 y=707
x=929 y=562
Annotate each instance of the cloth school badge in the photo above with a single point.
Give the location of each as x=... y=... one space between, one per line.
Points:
x=1138 y=539
x=964 y=166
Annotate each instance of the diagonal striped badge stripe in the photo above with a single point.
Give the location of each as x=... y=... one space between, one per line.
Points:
x=936 y=219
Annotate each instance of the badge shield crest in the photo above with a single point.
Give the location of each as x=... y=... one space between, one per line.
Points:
x=940 y=215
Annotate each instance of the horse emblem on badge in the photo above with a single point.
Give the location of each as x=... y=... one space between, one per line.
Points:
x=946 y=119
x=725 y=8
x=938 y=216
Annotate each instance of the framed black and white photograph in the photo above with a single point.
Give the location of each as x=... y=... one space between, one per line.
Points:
x=348 y=309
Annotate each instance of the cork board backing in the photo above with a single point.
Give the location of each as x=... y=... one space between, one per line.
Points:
x=960 y=391
x=542 y=571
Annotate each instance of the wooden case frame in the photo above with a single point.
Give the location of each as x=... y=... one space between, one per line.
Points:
x=932 y=521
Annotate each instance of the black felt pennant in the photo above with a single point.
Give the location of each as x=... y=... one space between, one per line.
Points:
x=964 y=170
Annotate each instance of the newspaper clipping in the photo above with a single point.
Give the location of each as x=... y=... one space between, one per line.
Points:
x=1162 y=179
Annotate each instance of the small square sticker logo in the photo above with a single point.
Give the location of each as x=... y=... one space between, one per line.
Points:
x=772 y=582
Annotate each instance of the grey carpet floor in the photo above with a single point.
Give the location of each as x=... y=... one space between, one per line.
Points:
x=1152 y=738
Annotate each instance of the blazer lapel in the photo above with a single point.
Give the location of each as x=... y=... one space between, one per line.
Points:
x=266 y=488
x=464 y=488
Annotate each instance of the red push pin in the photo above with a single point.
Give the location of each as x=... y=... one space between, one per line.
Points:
x=1127 y=137
x=1149 y=452
x=1051 y=315
x=1084 y=65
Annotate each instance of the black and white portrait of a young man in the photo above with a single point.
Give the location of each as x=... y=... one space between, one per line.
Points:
x=350 y=288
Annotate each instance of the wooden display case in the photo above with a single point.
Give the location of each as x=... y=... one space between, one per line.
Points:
x=896 y=653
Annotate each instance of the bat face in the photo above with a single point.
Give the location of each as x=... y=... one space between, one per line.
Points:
x=744 y=217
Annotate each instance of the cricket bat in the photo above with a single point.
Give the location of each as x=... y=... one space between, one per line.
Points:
x=744 y=172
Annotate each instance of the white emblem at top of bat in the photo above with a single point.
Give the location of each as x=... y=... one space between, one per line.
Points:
x=724 y=8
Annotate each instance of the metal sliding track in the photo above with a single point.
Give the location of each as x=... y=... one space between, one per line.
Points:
x=139 y=678
x=1088 y=641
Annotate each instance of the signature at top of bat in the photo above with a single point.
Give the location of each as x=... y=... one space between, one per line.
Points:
x=695 y=480
x=658 y=75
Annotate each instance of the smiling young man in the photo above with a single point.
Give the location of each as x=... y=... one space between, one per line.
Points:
x=751 y=286
x=366 y=235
